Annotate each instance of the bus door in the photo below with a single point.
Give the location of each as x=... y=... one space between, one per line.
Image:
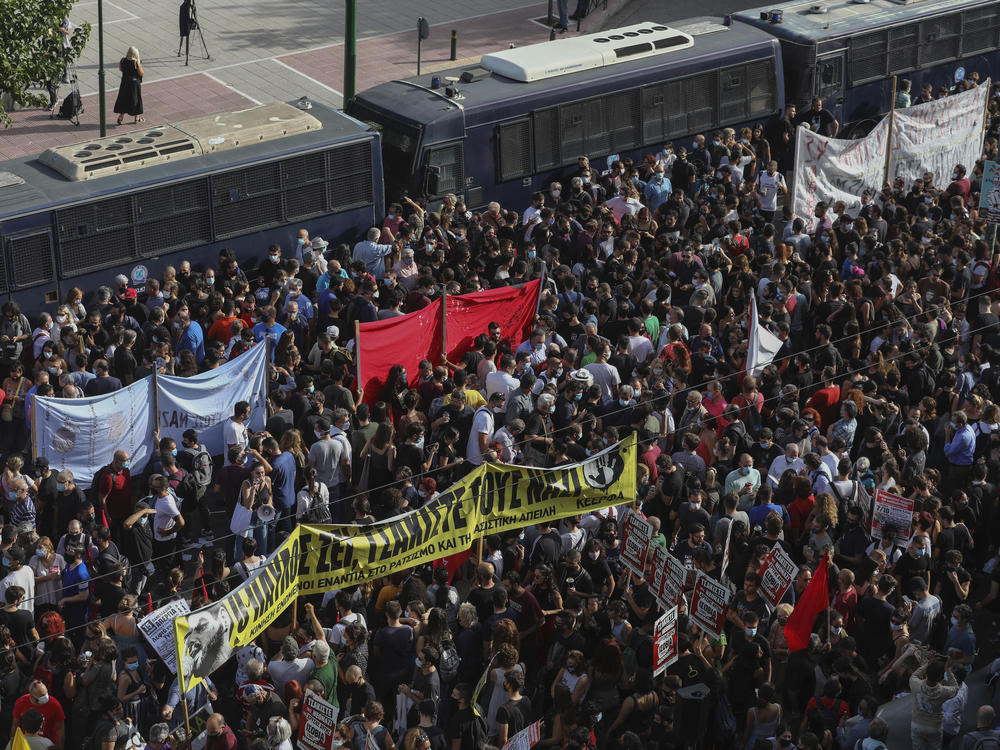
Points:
x=444 y=169
x=828 y=83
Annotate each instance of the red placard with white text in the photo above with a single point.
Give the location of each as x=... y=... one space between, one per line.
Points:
x=776 y=574
x=636 y=533
x=665 y=641
x=708 y=604
x=898 y=511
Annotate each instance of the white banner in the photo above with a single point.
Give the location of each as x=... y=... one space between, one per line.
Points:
x=827 y=169
x=763 y=344
x=158 y=629
x=205 y=401
x=931 y=137
x=82 y=434
x=936 y=136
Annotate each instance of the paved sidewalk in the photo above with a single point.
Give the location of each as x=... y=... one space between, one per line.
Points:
x=267 y=50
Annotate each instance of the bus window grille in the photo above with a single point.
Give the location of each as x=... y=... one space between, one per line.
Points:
x=869 y=57
x=701 y=92
x=654 y=113
x=623 y=120
x=760 y=78
x=31 y=257
x=349 y=177
x=733 y=95
x=258 y=205
x=515 y=150
x=979 y=29
x=4 y=285
x=304 y=179
x=96 y=234
x=546 y=138
x=571 y=132
x=941 y=38
x=449 y=160
x=596 y=126
x=904 y=42
x=173 y=218
x=676 y=120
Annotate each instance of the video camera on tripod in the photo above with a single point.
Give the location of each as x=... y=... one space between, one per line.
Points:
x=188 y=22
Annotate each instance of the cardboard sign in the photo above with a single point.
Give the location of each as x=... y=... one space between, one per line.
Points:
x=989 y=201
x=636 y=533
x=898 y=511
x=158 y=629
x=319 y=721
x=665 y=641
x=526 y=738
x=776 y=574
x=708 y=604
x=659 y=556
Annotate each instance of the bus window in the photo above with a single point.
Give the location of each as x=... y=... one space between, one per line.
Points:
x=515 y=150
x=447 y=160
x=980 y=29
x=830 y=76
x=940 y=39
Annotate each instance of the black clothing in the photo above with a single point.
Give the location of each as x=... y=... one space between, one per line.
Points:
x=129 y=101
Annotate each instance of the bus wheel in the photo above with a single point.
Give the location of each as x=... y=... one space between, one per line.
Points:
x=861 y=129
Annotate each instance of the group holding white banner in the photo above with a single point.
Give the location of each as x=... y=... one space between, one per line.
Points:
x=931 y=137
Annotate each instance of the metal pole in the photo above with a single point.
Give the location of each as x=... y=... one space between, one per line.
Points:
x=350 y=48
x=454 y=44
x=548 y=18
x=420 y=41
x=100 y=67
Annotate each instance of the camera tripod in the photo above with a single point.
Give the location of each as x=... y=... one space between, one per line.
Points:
x=189 y=22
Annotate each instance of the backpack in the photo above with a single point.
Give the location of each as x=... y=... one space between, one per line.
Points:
x=92 y=490
x=989 y=741
x=72 y=106
x=830 y=714
x=319 y=512
x=740 y=438
x=723 y=726
x=200 y=465
x=450 y=661
x=938 y=633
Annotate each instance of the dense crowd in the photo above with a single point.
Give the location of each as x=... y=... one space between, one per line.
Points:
x=888 y=378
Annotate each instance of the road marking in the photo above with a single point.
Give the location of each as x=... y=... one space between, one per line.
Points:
x=299 y=72
x=231 y=86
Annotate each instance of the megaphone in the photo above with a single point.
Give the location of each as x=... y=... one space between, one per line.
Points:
x=266 y=513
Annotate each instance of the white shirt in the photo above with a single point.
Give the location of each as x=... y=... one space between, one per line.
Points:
x=952 y=710
x=768 y=188
x=640 y=347
x=335 y=635
x=305 y=499
x=25 y=578
x=283 y=672
x=831 y=461
x=501 y=382
x=234 y=433
x=506 y=441
x=607 y=377
x=482 y=424
x=340 y=438
x=166 y=511
x=779 y=466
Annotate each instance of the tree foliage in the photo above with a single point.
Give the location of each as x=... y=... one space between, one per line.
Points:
x=31 y=49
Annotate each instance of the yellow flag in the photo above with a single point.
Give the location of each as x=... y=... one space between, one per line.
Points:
x=19 y=742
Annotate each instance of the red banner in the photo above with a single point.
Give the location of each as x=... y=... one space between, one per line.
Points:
x=404 y=340
x=468 y=315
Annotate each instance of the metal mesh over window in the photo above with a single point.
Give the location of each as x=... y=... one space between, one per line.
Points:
x=546 y=131
x=979 y=29
x=869 y=58
x=733 y=94
x=95 y=235
x=31 y=259
x=623 y=120
x=349 y=177
x=905 y=45
x=515 y=150
x=173 y=217
x=449 y=161
x=940 y=38
x=700 y=94
x=654 y=113
x=247 y=200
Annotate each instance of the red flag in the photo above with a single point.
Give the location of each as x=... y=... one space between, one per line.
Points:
x=403 y=340
x=453 y=562
x=470 y=314
x=815 y=599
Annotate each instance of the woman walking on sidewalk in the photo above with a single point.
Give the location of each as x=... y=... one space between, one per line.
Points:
x=129 y=101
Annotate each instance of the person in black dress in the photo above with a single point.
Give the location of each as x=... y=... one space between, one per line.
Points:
x=129 y=101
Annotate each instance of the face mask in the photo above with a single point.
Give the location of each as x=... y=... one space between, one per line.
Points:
x=532 y=254
x=43 y=700
x=784 y=742
x=12 y=495
x=954 y=622
x=694 y=506
x=47 y=354
x=132 y=667
x=623 y=401
x=318 y=434
x=556 y=193
x=420 y=664
x=586 y=180
x=173 y=452
x=498 y=410
x=60 y=319
x=593 y=555
x=894 y=626
x=578 y=396
x=60 y=487
x=765 y=446
x=928 y=200
x=552 y=409
x=40 y=552
x=751 y=632
x=387 y=282
x=127 y=465
x=420 y=443
x=52 y=370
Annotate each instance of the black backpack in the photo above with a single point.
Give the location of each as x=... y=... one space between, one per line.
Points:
x=739 y=437
x=319 y=512
x=990 y=740
x=199 y=464
x=71 y=107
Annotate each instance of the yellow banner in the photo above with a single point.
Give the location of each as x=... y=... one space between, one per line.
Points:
x=490 y=500
x=206 y=638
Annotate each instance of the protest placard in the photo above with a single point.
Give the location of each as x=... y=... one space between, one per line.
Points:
x=659 y=556
x=665 y=641
x=319 y=722
x=158 y=629
x=636 y=533
x=776 y=574
x=708 y=604
x=989 y=201
x=895 y=510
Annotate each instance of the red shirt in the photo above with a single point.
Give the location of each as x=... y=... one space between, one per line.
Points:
x=826 y=401
x=220 y=330
x=51 y=712
x=117 y=488
x=799 y=510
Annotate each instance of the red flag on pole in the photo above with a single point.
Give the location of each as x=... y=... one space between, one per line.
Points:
x=815 y=599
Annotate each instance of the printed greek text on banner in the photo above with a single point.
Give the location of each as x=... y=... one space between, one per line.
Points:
x=82 y=434
x=205 y=401
x=490 y=500
x=207 y=637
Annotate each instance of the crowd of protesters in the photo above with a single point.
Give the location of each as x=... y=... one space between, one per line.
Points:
x=888 y=378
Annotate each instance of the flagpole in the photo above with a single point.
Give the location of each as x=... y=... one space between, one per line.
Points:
x=888 y=145
x=444 y=326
